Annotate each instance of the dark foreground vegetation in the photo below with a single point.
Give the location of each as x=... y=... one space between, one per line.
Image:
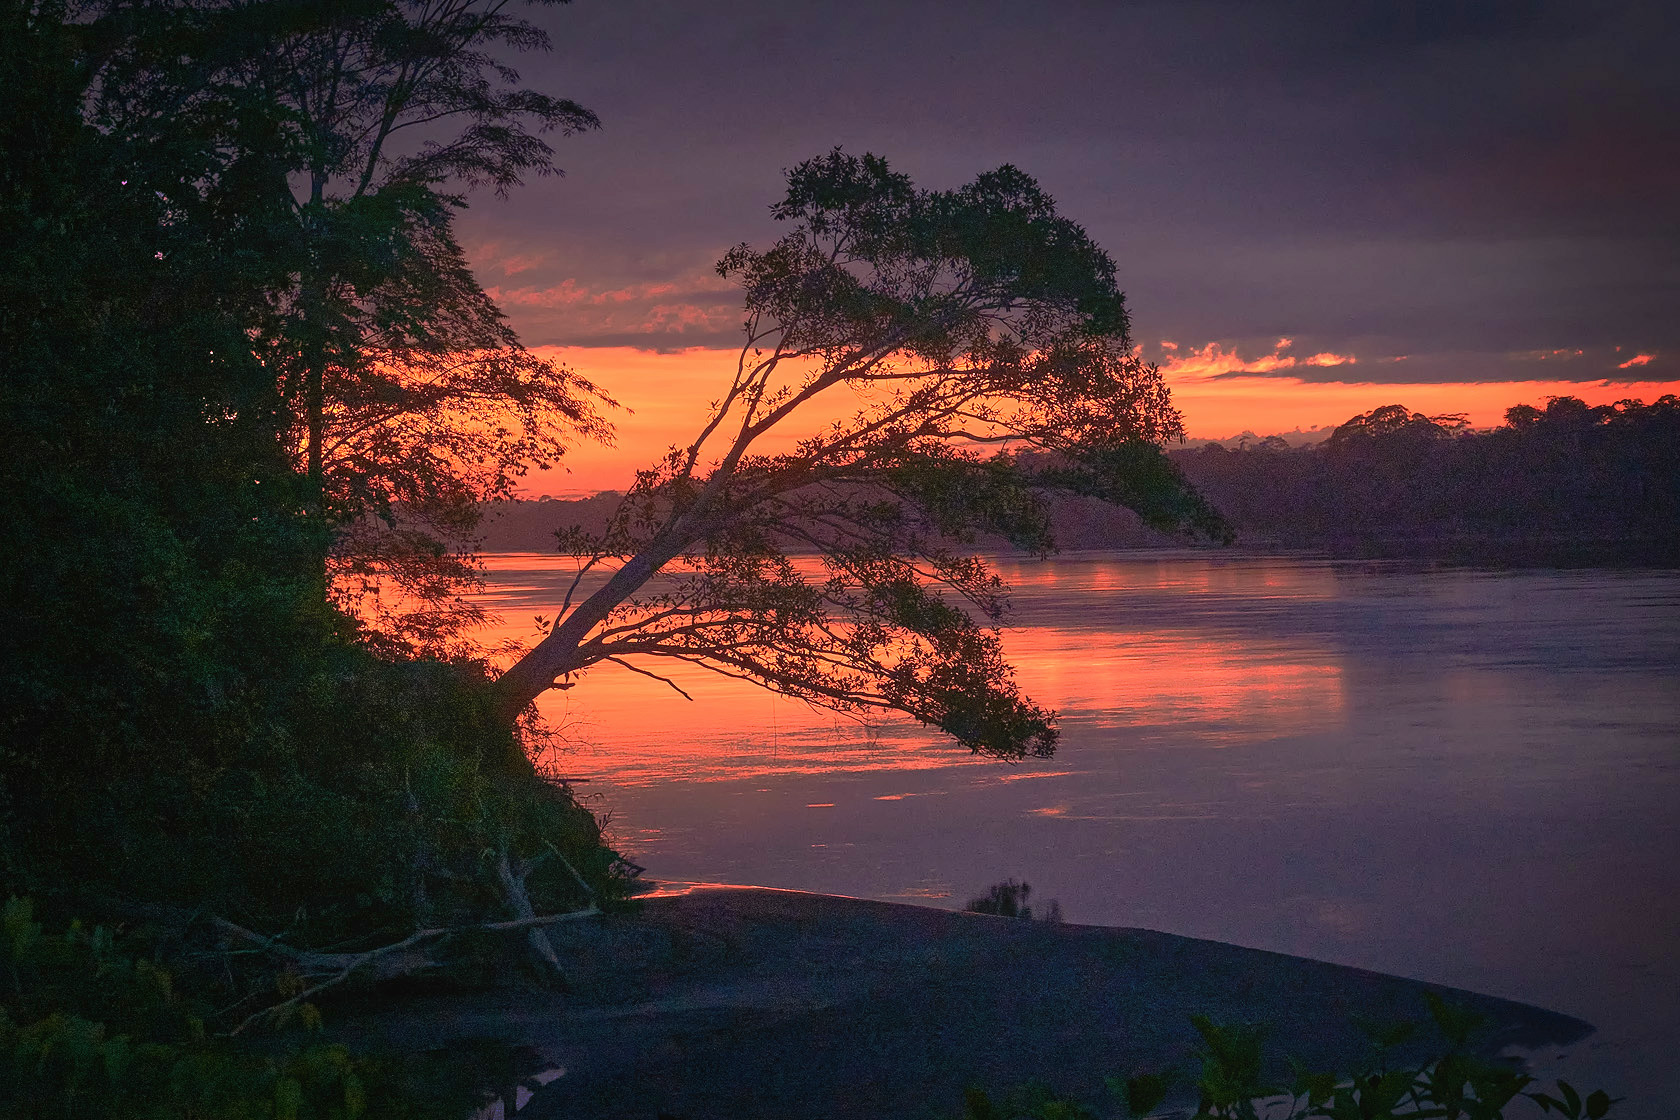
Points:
x=1233 y=1084
x=1008 y=899
x=222 y=796
x=1568 y=483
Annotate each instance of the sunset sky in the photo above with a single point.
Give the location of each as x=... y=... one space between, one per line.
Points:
x=1316 y=208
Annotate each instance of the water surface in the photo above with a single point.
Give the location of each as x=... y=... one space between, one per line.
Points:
x=1466 y=777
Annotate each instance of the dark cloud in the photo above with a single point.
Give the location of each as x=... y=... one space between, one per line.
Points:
x=1463 y=183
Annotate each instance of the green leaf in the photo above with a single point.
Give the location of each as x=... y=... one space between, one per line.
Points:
x=977 y=1105
x=1456 y=1023
x=117 y=1054
x=355 y=1096
x=20 y=931
x=288 y=1099
x=1142 y=1092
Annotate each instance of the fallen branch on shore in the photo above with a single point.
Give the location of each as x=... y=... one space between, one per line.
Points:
x=318 y=971
x=410 y=956
x=400 y=958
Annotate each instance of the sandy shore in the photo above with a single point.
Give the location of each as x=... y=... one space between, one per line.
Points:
x=745 y=1002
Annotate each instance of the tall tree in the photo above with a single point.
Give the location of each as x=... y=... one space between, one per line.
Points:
x=144 y=494
x=950 y=358
x=411 y=399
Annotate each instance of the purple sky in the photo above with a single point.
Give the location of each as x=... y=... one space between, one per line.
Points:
x=1468 y=184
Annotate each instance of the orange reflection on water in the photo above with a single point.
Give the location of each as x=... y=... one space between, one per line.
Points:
x=1169 y=570
x=1074 y=646
x=1097 y=661
x=1239 y=691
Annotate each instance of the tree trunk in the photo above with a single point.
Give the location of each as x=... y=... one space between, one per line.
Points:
x=314 y=391
x=315 y=352
x=561 y=652
x=313 y=298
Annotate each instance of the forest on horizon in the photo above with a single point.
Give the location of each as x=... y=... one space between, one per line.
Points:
x=1567 y=483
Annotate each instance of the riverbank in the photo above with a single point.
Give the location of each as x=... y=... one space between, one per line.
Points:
x=746 y=1002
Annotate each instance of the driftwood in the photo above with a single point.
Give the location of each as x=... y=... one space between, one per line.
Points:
x=519 y=901
x=412 y=954
x=401 y=958
x=408 y=957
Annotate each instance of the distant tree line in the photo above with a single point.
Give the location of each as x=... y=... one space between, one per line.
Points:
x=1564 y=483
x=1076 y=522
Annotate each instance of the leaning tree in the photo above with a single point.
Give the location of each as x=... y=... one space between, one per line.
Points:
x=949 y=360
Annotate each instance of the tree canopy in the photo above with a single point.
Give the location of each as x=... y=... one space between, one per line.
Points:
x=1392 y=425
x=946 y=359
x=345 y=139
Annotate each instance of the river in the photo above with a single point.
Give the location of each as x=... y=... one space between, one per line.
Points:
x=1467 y=777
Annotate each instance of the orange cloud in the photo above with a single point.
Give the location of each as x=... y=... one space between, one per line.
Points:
x=495 y=255
x=663 y=317
x=1217 y=409
x=569 y=293
x=1214 y=361
x=685 y=306
x=1636 y=360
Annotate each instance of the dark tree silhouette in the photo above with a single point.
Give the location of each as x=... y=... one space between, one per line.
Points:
x=360 y=126
x=1391 y=425
x=907 y=335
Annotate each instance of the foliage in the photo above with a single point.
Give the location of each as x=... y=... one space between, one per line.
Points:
x=1564 y=483
x=1008 y=899
x=1236 y=1083
x=349 y=133
x=945 y=359
x=90 y=1026
x=1392 y=425
x=145 y=499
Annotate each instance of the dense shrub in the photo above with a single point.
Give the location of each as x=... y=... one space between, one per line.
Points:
x=91 y=1026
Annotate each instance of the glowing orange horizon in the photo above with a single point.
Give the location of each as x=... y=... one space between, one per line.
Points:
x=1219 y=394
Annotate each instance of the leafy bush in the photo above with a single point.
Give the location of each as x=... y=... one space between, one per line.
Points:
x=1008 y=899
x=1233 y=1083
x=88 y=1027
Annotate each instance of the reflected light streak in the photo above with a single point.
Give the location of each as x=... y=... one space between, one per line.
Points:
x=629 y=729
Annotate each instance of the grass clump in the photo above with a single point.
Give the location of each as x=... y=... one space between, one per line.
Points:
x=1008 y=899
